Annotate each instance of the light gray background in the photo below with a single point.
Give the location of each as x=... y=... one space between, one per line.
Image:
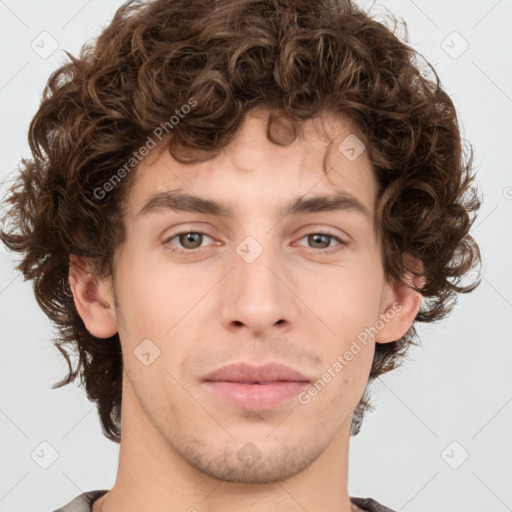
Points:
x=457 y=387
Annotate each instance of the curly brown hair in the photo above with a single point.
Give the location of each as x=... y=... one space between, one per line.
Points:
x=299 y=59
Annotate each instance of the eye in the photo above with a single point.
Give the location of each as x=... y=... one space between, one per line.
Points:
x=322 y=241
x=190 y=240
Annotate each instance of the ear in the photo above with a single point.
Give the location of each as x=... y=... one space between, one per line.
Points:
x=93 y=297
x=400 y=304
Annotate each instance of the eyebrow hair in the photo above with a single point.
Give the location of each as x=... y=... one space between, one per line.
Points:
x=179 y=200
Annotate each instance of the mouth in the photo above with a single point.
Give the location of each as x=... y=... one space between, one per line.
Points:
x=255 y=387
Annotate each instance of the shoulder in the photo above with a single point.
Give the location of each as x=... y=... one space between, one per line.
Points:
x=370 y=505
x=83 y=502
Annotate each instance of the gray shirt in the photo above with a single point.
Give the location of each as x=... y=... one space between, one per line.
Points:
x=83 y=503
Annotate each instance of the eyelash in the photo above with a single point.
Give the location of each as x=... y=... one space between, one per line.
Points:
x=195 y=251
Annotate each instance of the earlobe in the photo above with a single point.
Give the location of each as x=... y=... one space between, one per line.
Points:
x=93 y=298
x=401 y=305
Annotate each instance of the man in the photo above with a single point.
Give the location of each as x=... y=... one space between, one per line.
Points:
x=249 y=200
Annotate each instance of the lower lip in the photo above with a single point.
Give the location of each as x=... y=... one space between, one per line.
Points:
x=256 y=397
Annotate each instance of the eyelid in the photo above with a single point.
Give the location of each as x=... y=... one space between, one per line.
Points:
x=316 y=229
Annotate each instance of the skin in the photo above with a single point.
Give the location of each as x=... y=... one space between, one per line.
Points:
x=179 y=443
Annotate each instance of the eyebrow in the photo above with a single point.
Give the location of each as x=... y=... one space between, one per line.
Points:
x=181 y=201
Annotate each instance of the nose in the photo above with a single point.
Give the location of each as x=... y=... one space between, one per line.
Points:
x=259 y=295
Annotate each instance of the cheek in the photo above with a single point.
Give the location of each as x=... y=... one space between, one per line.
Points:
x=347 y=301
x=145 y=298
x=348 y=306
x=164 y=305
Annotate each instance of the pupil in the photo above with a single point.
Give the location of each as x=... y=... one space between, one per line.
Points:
x=315 y=238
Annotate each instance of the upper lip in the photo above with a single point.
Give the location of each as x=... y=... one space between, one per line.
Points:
x=243 y=372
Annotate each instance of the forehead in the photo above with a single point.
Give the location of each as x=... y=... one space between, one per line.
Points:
x=252 y=170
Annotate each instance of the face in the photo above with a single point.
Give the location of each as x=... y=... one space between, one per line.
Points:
x=196 y=291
